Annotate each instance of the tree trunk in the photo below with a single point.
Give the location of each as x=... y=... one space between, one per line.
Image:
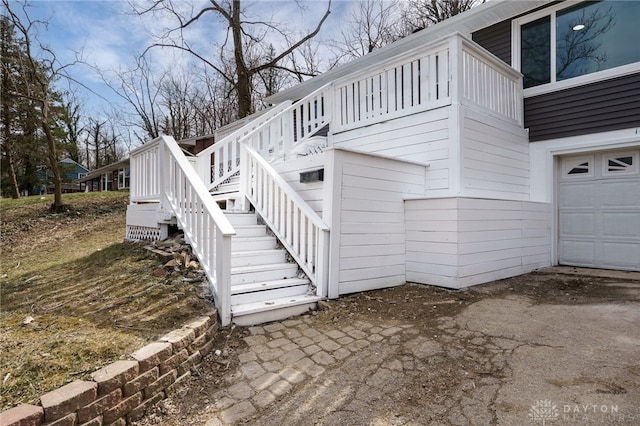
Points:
x=11 y=171
x=243 y=87
x=57 y=205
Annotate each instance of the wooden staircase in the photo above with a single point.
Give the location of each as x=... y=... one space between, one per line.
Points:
x=265 y=286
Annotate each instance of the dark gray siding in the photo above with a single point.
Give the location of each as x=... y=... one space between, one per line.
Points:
x=496 y=39
x=597 y=107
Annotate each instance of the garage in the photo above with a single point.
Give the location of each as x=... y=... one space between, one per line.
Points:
x=599 y=210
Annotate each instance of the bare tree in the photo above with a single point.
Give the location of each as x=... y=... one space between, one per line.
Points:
x=38 y=74
x=419 y=14
x=140 y=88
x=371 y=25
x=242 y=34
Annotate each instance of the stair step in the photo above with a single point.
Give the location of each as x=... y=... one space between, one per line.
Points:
x=258 y=257
x=245 y=231
x=252 y=243
x=268 y=290
x=240 y=219
x=268 y=285
x=272 y=310
x=258 y=273
x=228 y=187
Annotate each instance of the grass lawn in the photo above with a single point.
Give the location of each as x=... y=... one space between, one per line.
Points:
x=75 y=297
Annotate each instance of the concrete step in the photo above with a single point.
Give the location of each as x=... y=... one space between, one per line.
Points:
x=272 y=310
x=258 y=257
x=260 y=273
x=268 y=290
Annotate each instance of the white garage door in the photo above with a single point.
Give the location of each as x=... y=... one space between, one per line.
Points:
x=599 y=210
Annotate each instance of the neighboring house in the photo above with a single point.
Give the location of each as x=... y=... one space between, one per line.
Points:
x=497 y=142
x=70 y=172
x=116 y=176
x=112 y=177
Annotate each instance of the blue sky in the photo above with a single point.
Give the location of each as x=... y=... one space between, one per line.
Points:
x=106 y=34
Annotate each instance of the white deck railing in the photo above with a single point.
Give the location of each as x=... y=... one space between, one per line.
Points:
x=407 y=84
x=451 y=70
x=182 y=192
x=489 y=83
x=145 y=173
x=300 y=230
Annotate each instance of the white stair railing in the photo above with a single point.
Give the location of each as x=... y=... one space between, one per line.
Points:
x=180 y=190
x=300 y=230
x=273 y=134
x=219 y=162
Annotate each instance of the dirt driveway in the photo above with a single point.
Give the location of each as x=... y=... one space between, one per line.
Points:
x=546 y=348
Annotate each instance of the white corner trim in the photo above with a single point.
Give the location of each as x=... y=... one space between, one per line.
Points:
x=592 y=142
x=583 y=80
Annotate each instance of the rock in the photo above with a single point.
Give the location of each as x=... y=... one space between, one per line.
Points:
x=159 y=272
x=323 y=306
x=172 y=263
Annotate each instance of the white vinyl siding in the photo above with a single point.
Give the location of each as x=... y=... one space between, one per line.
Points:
x=422 y=137
x=368 y=222
x=494 y=158
x=458 y=242
x=311 y=192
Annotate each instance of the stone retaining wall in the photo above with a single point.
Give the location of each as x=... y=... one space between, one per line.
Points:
x=121 y=392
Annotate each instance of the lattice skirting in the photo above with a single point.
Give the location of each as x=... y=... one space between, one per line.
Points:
x=142 y=233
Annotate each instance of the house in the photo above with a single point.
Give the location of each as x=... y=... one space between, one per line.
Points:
x=112 y=177
x=497 y=142
x=70 y=172
x=116 y=176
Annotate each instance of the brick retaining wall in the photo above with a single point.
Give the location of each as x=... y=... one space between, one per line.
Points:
x=122 y=391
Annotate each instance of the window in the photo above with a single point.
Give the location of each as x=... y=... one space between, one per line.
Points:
x=620 y=163
x=577 y=167
x=123 y=178
x=106 y=182
x=535 y=47
x=558 y=43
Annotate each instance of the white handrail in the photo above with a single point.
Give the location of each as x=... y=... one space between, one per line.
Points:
x=205 y=226
x=300 y=230
x=218 y=162
x=273 y=134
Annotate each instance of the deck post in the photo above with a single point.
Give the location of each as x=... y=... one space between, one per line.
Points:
x=245 y=179
x=455 y=69
x=223 y=276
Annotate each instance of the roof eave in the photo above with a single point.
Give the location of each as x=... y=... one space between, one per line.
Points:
x=483 y=16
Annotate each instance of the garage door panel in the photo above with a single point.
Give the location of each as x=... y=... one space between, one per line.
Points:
x=577 y=195
x=621 y=224
x=619 y=194
x=577 y=224
x=619 y=255
x=599 y=211
x=579 y=253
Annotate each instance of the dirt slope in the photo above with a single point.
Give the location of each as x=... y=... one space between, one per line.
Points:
x=74 y=297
